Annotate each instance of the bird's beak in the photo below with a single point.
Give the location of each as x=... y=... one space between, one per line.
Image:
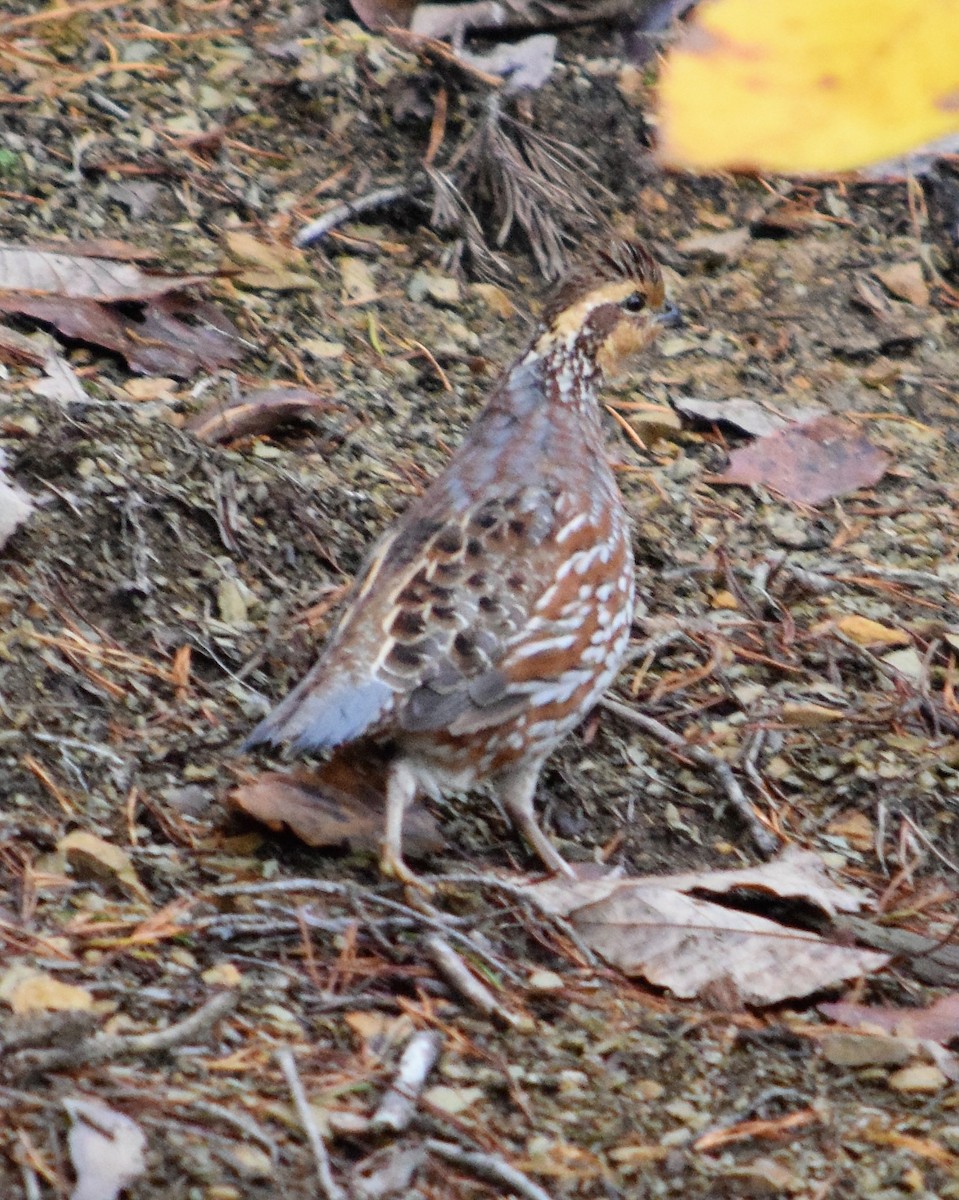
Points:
x=669 y=317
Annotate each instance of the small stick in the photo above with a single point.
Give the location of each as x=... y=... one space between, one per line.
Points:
x=106 y=1048
x=328 y=1185
x=489 y=1167
x=458 y=975
x=381 y=198
x=398 y=1106
x=765 y=841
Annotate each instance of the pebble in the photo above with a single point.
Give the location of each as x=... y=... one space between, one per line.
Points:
x=545 y=981
x=923 y=1077
x=865 y=1050
x=443 y=290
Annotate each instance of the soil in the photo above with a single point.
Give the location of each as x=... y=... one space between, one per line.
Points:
x=146 y=541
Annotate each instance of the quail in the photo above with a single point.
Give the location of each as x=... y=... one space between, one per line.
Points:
x=492 y=615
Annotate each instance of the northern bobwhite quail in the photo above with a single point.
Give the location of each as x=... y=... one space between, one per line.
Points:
x=492 y=615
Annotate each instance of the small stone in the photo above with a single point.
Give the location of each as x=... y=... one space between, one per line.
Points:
x=251 y=1162
x=222 y=975
x=443 y=290
x=452 y=1100
x=655 y=421
x=545 y=981
x=949 y=1135
x=907 y=662
x=319 y=348
x=648 y=1089
x=923 y=1077
x=763 y=1177
x=864 y=1050
x=231 y=602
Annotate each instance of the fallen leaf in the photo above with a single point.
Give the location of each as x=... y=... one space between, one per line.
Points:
x=870 y=78
x=725 y=246
x=257 y=413
x=15 y=507
x=871 y=633
x=653 y=928
x=174 y=335
x=60 y=382
x=77 y=277
x=30 y=991
x=937 y=1022
x=748 y=416
x=106 y=1149
x=809 y=463
x=339 y=803
x=855 y=827
x=905 y=281
x=375 y=14
x=359 y=286
x=92 y=857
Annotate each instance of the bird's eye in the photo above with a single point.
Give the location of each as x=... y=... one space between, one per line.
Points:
x=635 y=303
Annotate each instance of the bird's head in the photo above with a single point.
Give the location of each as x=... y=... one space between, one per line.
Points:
x=609 y=311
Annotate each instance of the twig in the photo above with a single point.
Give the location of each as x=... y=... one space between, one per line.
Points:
x=380 y=198
x=398 y=1106
x=458 y=975
x=330 y=1188
x=925 y=703
x=489 y=1167
x=765 y=841
x=107 y=1048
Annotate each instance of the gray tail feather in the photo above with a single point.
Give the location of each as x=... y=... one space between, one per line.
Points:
x=312 y=718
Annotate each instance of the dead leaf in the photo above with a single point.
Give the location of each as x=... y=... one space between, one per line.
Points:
x=30 y=991
x=17 y=347
x=340 y=803
x=359 y=286
x=258 y=413
x=870 y=80
x=725 y=246
x=653 y=928
x=175 y=335
x=77 y=277
x=106 y=1149
x=938 y=1022
x=60 y=382
x=92 y=857
x=747 y=416
x=15 y=507
x=375 y=14
x=905 y=281
x=809 y=463
x=871 y=633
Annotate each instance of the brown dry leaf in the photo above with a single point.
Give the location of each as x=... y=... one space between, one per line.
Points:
x=375 y=14
x=871 y=633
x=792 y=875
x=337 y=804
x=652 y=927
x=90 y=856
x=259 y=412
x=175 y=335
x=114 y=248
x=15 y=507
x=905 y=281
x=77 y=277
x=359 y=286
x=60 y=382
x=939 y=1022
x=724 y=246
x=269 y=266
x=855 y=828
x=809 y=463
x=29 y=991
x=106 y=1149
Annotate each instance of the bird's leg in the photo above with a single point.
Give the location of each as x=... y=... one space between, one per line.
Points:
x=516 y=791
x=400 y=792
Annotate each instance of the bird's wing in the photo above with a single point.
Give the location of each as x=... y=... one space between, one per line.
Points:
x=460 y=624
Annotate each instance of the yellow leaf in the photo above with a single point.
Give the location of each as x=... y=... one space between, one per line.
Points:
x=869 y=633
x=810 y=85
x=91 y=857
x=35 y=991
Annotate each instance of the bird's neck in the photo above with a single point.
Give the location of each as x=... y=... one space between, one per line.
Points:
x=567 y=372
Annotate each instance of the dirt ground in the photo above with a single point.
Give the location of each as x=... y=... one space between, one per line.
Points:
x=146 y=540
